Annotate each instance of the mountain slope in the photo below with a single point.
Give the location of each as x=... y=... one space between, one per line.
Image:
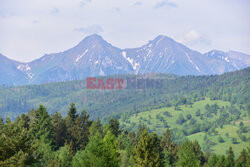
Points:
x=9 y=73
x=93 y=56
x=164 y=55
x=222 y=62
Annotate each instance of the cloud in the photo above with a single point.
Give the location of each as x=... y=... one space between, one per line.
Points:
x=93 y=29
x=134 y=25
x=54 y=11
x=138 y=3
x=5 y=14
x=35 y=22
x=165 y=3
x=84 y=2
x=193 y=38
x=2 y=15
x=117 y=9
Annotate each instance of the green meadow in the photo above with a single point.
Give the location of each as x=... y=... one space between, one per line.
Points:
x=216 y=139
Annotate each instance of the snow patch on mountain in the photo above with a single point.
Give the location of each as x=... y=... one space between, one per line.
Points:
x=101 y=73
x=26 y=69
x=108 y=60
x=159 y=40
x=130 y=60
x=189 y=59
x=119 y=67
x=80 y=56
x=23 y=67
x=149 y=52
x=30 y=75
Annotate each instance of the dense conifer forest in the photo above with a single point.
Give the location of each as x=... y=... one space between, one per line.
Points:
x=38 y=139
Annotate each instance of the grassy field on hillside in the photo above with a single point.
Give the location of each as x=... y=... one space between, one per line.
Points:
x=196 y=114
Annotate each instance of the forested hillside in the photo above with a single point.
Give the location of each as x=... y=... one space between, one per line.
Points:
x=233 y=87
x=214 y=110
x=38 y=139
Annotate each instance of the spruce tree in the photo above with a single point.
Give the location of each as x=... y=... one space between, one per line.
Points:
x=63 y=157
x=169 y=148
x=71 y=133
x=96 y=127
x=230 y=158
x=146 y=151
x=82 y=124
x=221 y=162
x=186 y=155
x=72 y=113
x=212 y=160
x=198 y=152
x=93 y=155
x=112 y=157
x=59 y=127
x=42 y=125
x=114 y=126
x=43 y=137
x=243 y=160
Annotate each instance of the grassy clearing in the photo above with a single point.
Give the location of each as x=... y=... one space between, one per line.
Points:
x=157 y=120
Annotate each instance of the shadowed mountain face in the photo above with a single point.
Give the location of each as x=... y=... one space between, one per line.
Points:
x=10 y=73
x=164 y=55
x=93 y=56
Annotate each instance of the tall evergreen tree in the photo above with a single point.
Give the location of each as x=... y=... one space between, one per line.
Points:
x=114 y=126
x=230 y=158
x=96 y=127
x=112 y=157
x=93 y=153
x=59 y=127
x=146 y=151
x=198 y=152
x=18 y=159
x=62 y=157
x=43 y=137
x=70 y=120
x=72 y=113
x=15 y=145
x=243 y=160
x=25 y=121
x=83 y=124
x=44 y=152
x=169 y=148
x=186 y=155
x=1 y=123
x=42 y=125
x=221 y=162
x=212 y=160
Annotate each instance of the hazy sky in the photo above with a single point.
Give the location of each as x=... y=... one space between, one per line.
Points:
x=31 y=28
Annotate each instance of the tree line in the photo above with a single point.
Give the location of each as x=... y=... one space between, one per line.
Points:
x=40 y=139
x=232 y=87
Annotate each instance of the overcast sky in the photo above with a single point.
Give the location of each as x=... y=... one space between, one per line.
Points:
x=31 y=28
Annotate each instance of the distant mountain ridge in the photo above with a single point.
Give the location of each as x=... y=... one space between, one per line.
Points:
x=93 y=56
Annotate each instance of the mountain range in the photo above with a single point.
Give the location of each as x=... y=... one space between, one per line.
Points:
x=94 y=56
